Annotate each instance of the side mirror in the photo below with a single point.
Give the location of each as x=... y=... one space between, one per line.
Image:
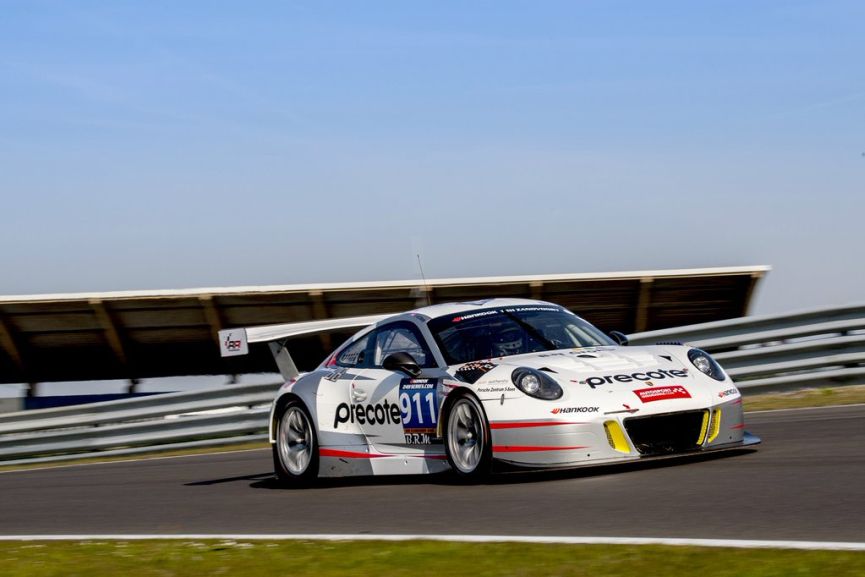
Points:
x=620 y=338
x=401 y=362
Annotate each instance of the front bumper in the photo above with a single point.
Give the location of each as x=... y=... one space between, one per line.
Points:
x=551 y=443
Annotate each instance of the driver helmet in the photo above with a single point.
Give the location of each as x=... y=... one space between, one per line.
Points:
x=508 y=342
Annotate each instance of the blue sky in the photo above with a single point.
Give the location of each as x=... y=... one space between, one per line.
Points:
x=186 y=144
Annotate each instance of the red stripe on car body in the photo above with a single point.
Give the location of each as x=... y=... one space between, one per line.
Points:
x=524 y=424
x=530 y=449
x=359 y=455
x=348 y=454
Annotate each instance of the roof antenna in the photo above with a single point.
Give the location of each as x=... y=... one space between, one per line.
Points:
x=425 y=285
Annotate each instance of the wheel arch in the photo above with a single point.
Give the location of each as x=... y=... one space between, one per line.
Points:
x=276 y=410
x=449 y=401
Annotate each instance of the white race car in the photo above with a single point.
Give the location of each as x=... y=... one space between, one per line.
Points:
x=464 y=386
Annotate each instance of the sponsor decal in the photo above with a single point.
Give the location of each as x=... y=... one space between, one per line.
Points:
x=533 y=310
x=421 y=439
x=474 y=316
x=419 y=406
x=375 y=414
x=497 y=389
x=568 y=410
x=727 y=393
x=471 y=372
x=232 y=344
x=646 y=377
x=487 y=313
x=662 y=393
x=335 y=374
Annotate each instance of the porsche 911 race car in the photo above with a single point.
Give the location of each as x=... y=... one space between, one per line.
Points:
x=463 y=386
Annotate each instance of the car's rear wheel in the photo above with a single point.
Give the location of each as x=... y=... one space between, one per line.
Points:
x=467 y=440
x=295 y=453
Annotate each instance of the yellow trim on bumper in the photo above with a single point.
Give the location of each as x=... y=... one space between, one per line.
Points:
x=716 y=425
x=704 y=428
x=616 y=437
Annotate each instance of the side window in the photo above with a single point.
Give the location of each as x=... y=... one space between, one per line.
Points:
x=355 y=354
x=402 y=337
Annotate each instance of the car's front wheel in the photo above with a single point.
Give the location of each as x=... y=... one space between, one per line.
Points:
x=295 y=453
x=467 y=439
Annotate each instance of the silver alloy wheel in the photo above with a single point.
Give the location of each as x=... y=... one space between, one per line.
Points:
x=466 y=436
x=295 y=441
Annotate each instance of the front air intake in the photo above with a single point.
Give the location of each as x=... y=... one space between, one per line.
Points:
x=665 y=434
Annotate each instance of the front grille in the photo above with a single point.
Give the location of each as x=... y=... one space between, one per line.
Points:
x=664 y=434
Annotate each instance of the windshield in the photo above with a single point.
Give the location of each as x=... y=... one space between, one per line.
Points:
x=505 y=331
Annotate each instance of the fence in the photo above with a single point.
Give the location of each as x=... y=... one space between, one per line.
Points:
x=769 y=353
x=823 y=347
x=222 y=416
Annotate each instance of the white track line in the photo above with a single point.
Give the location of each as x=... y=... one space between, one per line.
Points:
x=731 y=543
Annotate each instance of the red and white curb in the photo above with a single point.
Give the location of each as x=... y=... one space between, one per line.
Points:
x=730 y=543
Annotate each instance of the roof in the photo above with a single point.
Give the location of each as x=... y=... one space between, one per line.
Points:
x=156 y=333
x=440 y=310
x=280 y=332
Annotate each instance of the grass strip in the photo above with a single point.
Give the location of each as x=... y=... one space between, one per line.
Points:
x=822 y=397
x=167 y=558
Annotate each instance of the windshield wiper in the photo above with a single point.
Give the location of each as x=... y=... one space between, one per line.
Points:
x=532 y=331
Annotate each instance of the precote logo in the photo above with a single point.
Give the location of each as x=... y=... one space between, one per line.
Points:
x=658 y=375
x=378 y=414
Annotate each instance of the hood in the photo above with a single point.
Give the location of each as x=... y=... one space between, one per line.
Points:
x=607 y=375
x=591 y=360
x=587 y=361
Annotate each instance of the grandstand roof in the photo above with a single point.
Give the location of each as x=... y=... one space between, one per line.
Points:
x=157 y=333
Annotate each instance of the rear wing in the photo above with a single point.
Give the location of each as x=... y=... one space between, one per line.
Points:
x=235 y=342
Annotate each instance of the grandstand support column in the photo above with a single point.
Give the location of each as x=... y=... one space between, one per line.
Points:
x=106 y=322
x=10 y=343
x=644 y=301
x=749 y=292
x=320 y=312
x=212 y=317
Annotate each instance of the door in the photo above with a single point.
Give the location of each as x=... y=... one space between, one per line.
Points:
x=399 y=412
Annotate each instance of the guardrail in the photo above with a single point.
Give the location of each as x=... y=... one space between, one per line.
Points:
x=768 y=353
x=212 y=417
x=822 y=347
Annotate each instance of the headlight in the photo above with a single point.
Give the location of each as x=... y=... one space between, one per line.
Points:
x=536 y=384
x=706 y=364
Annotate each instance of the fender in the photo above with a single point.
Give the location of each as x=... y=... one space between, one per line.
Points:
x=280 y=401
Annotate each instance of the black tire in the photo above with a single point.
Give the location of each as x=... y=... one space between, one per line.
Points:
x=295 y=452
x=468 y=443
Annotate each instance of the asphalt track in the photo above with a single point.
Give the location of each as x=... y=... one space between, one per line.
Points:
x=805 y=482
